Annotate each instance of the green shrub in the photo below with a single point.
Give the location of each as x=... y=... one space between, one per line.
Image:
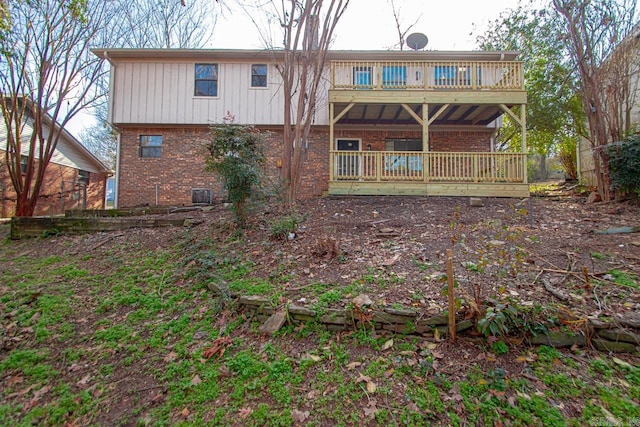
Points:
x=498 y=320
x=236 y=154
x=624 y=164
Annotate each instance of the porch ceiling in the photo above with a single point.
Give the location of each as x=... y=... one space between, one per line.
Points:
x=395 y=114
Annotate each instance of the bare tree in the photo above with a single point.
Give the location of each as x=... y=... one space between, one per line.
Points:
x=307 y=28
x=166 y=23
x=153 y=24
x=401 y=29
x=47 y=76
x=594 y=31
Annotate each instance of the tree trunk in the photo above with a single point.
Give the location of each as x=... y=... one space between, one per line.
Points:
x=543 y=166
x=24 y=205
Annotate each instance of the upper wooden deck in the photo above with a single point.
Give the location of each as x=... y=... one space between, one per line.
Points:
x=470 y=82
x=427 y=75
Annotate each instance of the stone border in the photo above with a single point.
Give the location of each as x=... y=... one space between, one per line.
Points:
x=25 y=227
x=602 y=336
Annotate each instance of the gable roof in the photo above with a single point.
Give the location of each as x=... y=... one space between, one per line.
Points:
x=69 y=151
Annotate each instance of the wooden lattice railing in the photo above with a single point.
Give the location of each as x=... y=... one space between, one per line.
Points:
x=427 y=75
x=427 y=166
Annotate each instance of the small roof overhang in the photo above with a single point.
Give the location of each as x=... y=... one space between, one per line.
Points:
x=252 y=54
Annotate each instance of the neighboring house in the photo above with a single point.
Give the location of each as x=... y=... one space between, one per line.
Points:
x=75 y=178
x=624 y=105
x=388 y=122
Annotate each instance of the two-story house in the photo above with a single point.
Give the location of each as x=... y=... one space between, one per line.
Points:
x=388 y=122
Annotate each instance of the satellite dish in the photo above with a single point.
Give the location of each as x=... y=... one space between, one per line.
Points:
x=417 y=41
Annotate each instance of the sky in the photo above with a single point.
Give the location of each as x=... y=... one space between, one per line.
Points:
x=369 y=24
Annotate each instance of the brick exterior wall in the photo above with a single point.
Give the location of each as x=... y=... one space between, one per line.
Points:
x=168 y=180
x=448 y=140
x=60 y=191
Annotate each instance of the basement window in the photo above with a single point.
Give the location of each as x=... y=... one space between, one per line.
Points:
x=150 y=146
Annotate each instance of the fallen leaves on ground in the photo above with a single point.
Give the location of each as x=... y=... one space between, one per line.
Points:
x=244 y=413
x=218 y=348
x=300 y=416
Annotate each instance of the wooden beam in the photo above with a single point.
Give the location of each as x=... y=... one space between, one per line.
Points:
x=343 y=112
x=412 y=113
x=384 y=107
x=466 y=114
x=395 y=118
x=511 y=114
x=364 y=111
x=431 y=97
x=451 y=112
x=385 y=188
x=438 y=113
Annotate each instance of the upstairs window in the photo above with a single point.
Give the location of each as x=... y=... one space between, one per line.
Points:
x=445 y=75
x=150 y=146
x=362 y=77
x=451 y=75
x=394 y=76
x=258 y=75
x=206 y=83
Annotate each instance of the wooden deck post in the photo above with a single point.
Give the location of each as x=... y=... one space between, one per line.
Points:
x=451 y=296
x=331 y=156
x=425 y=140
x=523 y=124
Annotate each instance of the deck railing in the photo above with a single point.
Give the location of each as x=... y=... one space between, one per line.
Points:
x=427 y=75
x=430 y=166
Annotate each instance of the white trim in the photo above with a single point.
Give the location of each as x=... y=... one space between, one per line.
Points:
x=193 y=81
x=251 y=87
x=348 y=139
x=116 y=189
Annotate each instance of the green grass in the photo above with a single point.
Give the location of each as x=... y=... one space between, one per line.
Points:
x=623 y=278
x=133 y=334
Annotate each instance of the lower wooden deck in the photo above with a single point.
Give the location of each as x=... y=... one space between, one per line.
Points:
x=465 y=189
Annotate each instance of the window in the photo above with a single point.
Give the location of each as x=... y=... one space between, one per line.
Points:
x=150 y=145
x=402 y=162
x=206 y=83
x=83 y=177
x=449 y=75
x=394 y=76
x=23 y=163
x=258 y=75
x=362 y=77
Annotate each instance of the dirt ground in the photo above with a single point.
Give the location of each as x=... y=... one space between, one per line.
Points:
x=507 y=248
x=539 y=252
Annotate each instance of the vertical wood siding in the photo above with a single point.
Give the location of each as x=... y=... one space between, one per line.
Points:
x=163 y=93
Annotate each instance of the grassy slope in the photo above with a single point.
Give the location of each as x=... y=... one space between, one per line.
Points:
x=118 y=337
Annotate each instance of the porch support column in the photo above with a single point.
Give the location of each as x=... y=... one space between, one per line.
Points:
x=425 y=127
x=522 y=121
x=523 y=124
x=331 y=141
x=425 y=141
x=332 y=122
